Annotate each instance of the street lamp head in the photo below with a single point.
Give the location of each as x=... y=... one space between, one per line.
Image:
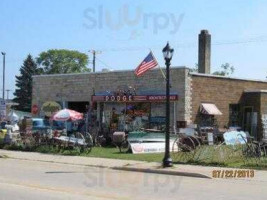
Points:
x=167 y=52
x=3 y=53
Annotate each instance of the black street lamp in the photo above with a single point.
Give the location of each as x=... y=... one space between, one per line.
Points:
x=4 y=63
x=167 y=53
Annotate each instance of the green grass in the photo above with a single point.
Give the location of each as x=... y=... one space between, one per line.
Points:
x=104 y=152
x=115 y=154
x=224 y=156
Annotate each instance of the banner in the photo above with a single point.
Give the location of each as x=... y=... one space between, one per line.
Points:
x=2 y=108
x=151 y=147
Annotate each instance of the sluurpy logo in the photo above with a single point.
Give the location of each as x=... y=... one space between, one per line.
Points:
x=101 y=17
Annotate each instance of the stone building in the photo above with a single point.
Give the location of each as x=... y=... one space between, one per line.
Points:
x=196 y=98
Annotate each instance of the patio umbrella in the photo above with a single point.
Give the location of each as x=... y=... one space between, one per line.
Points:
x=13 y=117
x=67 y=114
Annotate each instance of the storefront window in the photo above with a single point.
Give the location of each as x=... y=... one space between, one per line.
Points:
x=126 y=116
x=234 y=115
x=137 y=116
x=208 y=121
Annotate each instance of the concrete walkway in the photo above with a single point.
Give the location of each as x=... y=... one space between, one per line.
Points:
x=127 y=165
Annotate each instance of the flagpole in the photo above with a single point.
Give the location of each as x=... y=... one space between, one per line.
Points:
x=158 y=65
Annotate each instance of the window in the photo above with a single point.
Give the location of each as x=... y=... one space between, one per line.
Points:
x=234 y=115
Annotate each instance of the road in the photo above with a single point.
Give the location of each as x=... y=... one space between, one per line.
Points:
x=22 y=179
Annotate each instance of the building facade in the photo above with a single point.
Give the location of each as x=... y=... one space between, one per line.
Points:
x=242 y=102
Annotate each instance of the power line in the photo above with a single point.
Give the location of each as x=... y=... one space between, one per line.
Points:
x=103 y=63
x=94 y=52
x=191 y=44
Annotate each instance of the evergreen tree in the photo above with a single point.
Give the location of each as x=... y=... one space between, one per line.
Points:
x=23 y=93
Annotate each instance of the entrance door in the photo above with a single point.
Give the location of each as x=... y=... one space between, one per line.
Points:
x=247 y=118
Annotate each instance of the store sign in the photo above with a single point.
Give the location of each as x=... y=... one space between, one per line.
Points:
x=134 y=98
x=50 y=107
x=2 y=108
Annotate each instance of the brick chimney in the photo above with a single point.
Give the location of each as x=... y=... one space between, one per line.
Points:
x=204 y=42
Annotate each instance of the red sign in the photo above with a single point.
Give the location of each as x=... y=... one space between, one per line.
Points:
x=137 y=98
x=34 y=109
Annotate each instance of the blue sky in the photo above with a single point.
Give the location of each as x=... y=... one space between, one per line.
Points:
x=238 y=29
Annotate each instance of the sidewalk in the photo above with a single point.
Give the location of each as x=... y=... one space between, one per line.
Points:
x=128 y=165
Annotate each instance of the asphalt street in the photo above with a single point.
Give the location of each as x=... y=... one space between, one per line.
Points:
x=22 y=179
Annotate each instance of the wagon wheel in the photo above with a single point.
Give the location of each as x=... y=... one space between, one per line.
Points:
x=124 y=147
x=251 y=153
x=264 y=150
x=89 y=143
x=29 y=141
x=181 y=151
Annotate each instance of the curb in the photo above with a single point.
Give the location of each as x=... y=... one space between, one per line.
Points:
x=158 y=171
x=130 y=169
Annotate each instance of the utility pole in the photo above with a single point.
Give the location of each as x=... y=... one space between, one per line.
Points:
x=7 y=93
x=94 y=52
x=4 y=65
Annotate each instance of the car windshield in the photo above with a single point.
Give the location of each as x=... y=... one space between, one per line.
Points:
x=40 y=122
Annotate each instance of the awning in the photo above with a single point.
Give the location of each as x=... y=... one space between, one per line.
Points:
x=210 y=109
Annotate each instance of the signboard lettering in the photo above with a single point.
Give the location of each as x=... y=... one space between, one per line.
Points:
x=118 y=98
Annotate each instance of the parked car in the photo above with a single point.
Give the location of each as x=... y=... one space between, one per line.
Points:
x=40 y=125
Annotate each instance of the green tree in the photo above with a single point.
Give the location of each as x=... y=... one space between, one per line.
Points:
x=62 y=61
x=227 y=70
x=23 y=93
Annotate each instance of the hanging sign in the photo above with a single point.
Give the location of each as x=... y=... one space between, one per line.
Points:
x=134 y=98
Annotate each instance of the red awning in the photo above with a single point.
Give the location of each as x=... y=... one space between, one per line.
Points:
x=210 y=109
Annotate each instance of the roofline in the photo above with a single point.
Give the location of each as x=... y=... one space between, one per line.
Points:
x=114 y=71
x=226 y=77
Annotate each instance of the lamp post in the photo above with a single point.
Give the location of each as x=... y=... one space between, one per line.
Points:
x=4 y=65
x=167 y=53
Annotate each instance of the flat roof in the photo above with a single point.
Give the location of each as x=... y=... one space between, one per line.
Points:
x=114 y=71
x=226 y=77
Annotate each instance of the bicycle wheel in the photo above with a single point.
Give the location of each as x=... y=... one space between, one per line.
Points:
x=124 y=147
x=89 y=143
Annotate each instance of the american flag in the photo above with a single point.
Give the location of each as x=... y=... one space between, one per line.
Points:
x=148 y=63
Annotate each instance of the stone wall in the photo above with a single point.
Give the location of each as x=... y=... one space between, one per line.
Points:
x=81 y=87
x=221 y=91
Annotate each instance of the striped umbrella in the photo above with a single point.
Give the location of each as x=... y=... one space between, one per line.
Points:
x=67 y=114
